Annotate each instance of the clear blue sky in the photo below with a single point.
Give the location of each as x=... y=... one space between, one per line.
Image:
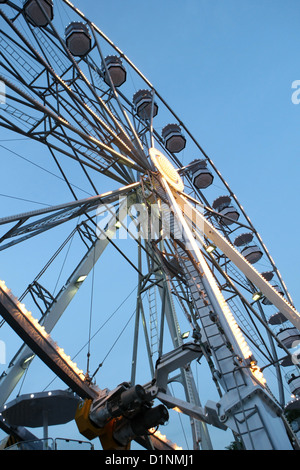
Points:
x=226 y=68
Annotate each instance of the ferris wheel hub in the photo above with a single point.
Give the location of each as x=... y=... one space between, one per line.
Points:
x=166 y=169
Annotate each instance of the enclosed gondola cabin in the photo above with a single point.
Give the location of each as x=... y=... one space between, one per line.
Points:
x=38 y=13
x=252 y=254
x=201 y=176
x=267 y=275
x=280 y=291
x=113 y=71
x=78 y=39
x=277 y=319
x=173 y=139
x=288 y=336
x=144 y=105
x=293 y=380
x=223 y=206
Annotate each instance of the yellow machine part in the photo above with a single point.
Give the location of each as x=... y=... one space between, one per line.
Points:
x=90 y=431
x=8 y=442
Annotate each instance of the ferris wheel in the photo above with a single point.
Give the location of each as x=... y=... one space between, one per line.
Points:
x=132 y=222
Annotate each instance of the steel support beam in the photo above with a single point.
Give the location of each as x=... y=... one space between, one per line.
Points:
x=24 y=356
x=246 y=406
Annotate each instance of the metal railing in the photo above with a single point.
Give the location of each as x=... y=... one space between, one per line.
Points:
x=52 y=444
